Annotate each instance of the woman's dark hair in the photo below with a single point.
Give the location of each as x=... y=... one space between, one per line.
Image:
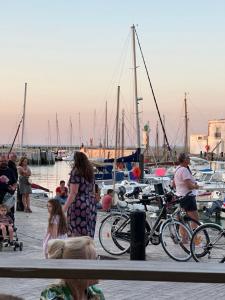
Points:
x=96 y=188
x=83 y=166
x=57 y=211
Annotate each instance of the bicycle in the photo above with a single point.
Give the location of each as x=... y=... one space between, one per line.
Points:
x=208 y=243
x=115 y=235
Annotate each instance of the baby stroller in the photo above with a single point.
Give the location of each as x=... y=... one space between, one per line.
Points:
x=9 y=202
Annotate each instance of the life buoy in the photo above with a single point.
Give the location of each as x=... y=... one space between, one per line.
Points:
x=136 y=172
x=207 y=147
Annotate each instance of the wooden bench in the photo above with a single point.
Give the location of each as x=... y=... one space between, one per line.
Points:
x=113 y=270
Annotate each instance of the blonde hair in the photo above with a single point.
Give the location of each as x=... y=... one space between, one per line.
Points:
x=71 y=248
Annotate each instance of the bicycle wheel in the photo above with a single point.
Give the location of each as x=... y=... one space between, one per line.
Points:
x=175 y=239
x=208 y=243
x=114 y=234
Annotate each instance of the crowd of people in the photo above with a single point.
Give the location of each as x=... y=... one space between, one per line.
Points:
x=71 y=224
x=72 y=214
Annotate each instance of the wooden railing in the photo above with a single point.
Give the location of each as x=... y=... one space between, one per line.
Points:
x=113 y=270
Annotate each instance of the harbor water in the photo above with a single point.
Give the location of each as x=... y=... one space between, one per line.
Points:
x=49 y=177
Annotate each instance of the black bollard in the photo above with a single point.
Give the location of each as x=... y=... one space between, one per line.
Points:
x=137 y=227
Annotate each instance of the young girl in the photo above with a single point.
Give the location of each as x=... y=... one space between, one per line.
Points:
x=57 y=228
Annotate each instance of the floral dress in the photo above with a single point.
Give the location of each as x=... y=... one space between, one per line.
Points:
x=62 y=292
x=81 y=215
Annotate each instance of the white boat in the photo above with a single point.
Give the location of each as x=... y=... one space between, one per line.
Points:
x=69 y=157
x=211 y=181
x=151 y=180
x=128 y=185
x=39 y=194
x=199 y=164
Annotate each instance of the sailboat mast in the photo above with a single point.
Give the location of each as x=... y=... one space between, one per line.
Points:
x=24 y=114
x=71 y=133
x=122 y=133
x=117 y=129
x=135 y=89
x=57 y=131
x=105 y=144
x=164 y=137
x=186 y=124
x=157 y=140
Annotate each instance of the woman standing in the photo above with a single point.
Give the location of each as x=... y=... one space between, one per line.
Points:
x=81 y=203
x=24 y=184
x=186 y=185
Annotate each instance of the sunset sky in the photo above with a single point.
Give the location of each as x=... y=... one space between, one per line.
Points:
x=74 y=54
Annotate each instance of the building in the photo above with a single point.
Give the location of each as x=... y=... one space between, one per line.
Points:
x=214 y=141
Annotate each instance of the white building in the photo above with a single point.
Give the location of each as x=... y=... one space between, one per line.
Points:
x=213 y=142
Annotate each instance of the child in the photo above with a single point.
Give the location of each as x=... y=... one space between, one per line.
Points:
x=61 y=192
x=57 y=228
x=107 y=201
x=6 y=222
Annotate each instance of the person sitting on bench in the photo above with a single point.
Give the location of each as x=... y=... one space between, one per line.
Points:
x=61 y=192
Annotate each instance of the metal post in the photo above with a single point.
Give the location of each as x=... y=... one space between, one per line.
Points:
x=137 y=227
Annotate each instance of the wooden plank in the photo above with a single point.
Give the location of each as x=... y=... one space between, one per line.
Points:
x=113 y=270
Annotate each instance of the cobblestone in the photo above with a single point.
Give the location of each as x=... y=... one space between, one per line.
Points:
x=31 y=229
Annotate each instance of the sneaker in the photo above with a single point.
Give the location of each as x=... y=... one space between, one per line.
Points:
x=11 y=243
x=5 y=243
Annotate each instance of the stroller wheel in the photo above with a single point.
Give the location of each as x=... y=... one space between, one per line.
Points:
x=21 y=246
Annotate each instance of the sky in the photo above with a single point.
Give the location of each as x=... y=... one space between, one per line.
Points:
x=74 y=54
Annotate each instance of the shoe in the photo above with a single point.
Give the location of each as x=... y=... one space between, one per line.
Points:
x=5 y=243
x=29 y=210
x=11 y=243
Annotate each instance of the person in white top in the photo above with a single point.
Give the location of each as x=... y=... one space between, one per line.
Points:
x=186 y=186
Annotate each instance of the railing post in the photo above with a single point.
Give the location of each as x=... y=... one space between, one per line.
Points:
x=137 y=243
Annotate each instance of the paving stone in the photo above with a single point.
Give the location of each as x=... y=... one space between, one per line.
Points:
x=31 y=230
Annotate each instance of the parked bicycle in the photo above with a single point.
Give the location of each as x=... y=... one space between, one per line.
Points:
x=172 y=228
x=208 y=243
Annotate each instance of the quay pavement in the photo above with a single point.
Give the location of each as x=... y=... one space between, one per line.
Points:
x=31 y=229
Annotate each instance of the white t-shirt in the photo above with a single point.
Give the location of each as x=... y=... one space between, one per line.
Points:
x=182 y=174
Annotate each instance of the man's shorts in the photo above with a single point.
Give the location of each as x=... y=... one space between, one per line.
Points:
x=189 y=203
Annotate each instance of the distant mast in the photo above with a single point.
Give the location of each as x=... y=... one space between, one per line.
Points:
x=24 y=114
x=71 y=133
x=105 y=144
x=122 y=133
x=186 y=124
x=58 y=142
x=157 y=141
x=136 y=99
x=116 y=141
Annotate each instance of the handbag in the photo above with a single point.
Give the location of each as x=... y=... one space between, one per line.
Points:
x=9 y=200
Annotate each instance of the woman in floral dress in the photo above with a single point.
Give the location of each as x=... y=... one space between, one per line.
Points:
x=81 y=203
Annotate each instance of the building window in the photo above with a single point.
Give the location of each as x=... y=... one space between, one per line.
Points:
x=217 y=133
